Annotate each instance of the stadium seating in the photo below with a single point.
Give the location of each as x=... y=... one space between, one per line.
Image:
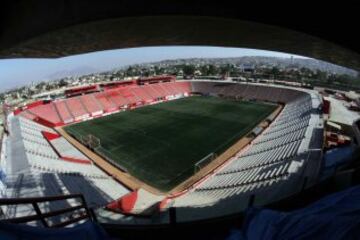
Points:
x=63 y=111
x=107 y=105
x=82 y=107
x=76 y=108
x=128 y=95
x=151 y=92
x=166 y=88
x=158 y=89
x=42 y=155
x=116 y=98
x=46 y=111
x=90 y=104
x=28 y=115
x=97 y=191
x=182 y=87
x=272 y=164
x=48 y=174
x=141 y=94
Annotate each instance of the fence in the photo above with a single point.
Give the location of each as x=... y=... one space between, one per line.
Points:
x=82 y=210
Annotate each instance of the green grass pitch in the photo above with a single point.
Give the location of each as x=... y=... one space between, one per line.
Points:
x=159 y=144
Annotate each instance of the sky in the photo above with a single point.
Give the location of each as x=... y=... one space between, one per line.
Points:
x=18 y=72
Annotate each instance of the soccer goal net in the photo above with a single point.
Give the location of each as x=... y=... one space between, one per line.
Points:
x=204 y=161
x=91 y=141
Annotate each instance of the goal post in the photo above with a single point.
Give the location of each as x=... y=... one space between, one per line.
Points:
x=91 y=141
x=204 y=161
x=94 y=142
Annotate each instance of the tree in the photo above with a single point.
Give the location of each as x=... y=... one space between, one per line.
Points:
x=204 y=69
x=145 y=72
x=320 y=75
x=212 y=70
x=40 y=85
x=63 y=83
x=275 y=71
x=48 y=87
x=189 y=70
x=158 y=70
x=225 y=69
x=129 y=71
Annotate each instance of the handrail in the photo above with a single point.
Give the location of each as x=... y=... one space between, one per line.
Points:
x=5 y=201
x=82 y=210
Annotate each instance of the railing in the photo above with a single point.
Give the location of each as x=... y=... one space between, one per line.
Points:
x=83 y=212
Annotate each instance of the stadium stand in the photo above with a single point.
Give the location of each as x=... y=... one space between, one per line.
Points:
x=183 y=87
x=28 y=115
x=151 y=92
x=76 y=108
x=168 y=91
x=128 y=95
x=116 y=98
x=141 y=94
x=280 y=161
x=107 y=105
x=91 y=105
x=35 y=169
x=157 y=88
x=275 y=162
x=47 y=112
x=63 y=111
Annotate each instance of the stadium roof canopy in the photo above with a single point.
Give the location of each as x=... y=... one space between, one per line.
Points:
x=41 y=28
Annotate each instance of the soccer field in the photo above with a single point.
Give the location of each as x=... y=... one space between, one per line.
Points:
x=159 y=144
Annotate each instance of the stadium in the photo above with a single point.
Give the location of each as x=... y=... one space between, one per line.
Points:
x=156 y=120
x=136 y=149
